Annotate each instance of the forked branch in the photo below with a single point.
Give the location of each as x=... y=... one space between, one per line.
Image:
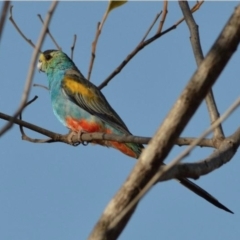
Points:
x=198 y=54
x=32 y=65
x=159 y=147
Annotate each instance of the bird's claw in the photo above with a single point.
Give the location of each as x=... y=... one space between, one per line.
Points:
x=70 y=136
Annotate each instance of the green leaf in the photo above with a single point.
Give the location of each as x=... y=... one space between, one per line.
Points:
x=114 y=4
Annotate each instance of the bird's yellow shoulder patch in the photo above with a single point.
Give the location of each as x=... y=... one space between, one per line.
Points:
x=77 y=87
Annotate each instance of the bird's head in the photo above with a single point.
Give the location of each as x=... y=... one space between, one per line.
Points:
x=50 y=60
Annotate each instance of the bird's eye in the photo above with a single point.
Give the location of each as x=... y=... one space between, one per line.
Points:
x=48 y=57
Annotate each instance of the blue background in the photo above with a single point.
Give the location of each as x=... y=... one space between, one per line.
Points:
x=56 y=191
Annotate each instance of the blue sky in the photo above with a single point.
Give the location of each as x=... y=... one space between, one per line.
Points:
x=55 y=191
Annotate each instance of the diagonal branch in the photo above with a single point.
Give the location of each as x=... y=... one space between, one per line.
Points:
x=165 y=11
x=166 y=169
x=197 y=50
x=19 y=30
x=31 y=67
x=3 y=16
x=217 y=159
x=49 y=33
x=161 y=144
x=151 y=26
x=140 y=46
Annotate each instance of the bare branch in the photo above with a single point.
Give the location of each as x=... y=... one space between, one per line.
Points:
x=197 y=50
x=165 y=11
x=3 y=16
x=40 y=85
x=164 y=170
x=89 y=137
x=73 y=45
x=32 y=67
x=185 y=141
x=193 y=9
x=93 y=54
x=49 y=33
x=24 y=136
x=136 y=50
x=159 y=147
x=151 y=26
x=18 y=29
x=217 y=159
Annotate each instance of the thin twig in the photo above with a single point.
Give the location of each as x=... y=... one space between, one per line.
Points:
x=94 y=43
x=151 y=26
x=139 y=48
x=73 y=45
x=24 y=136
x=197 y=50
x=18 y=29
x=3 y=16
x=31 y=70
x=193 y=9
x=93 y=54
x=165 y=11
x=49 y=33
x=40 y=85
x=167 y=168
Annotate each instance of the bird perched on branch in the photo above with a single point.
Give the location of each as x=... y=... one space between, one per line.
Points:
x=80 y=106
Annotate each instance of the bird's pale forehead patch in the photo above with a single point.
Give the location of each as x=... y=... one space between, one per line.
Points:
x=41 y=57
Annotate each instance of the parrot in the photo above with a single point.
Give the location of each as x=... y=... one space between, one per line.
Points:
x=80 y=106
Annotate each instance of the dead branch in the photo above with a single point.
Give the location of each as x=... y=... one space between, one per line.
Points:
x=19 y=30
x=164 y=170
x=89 y=137
x=3 y=16
x=197 y=50
x=164 y=15
x=40 y=85
x=217 y=159
x=151 y=26
x=161 y=144
x=193 y=9
x=49 y=33
x=140 y=46
x=31 y=67
x=93 y=54
x=73 y=45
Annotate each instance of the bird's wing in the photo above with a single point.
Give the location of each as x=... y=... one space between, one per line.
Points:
x=87 y=96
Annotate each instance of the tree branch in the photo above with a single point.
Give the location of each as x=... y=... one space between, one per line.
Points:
x=73 y=45
x=217 y=159
x=165 y=11
x=161 y=144
x=197 y=50
x=164 y=170
x=138 y=48
x=151 y=26
x=49 y=33
x=19 y=30
x=93 y=54
x=31 y=67
x=89 y=137
x=3 y=16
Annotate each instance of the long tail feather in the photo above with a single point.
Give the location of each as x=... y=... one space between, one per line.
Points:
x=137 y=148
x=202 y=193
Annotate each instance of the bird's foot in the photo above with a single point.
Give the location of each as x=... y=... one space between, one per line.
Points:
x=78 y=134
